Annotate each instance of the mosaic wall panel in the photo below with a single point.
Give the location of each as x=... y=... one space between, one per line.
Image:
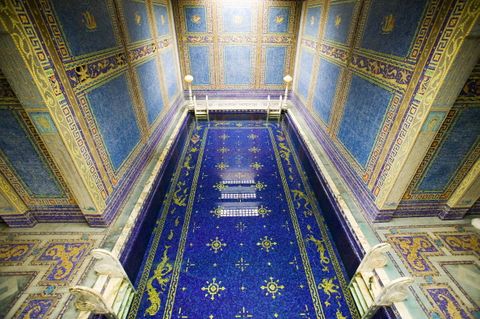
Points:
x=237 y=45
x=455 y=148
x=391 y=25
x=355 y=71
x=362 y=117
x=24 y=160
x=148 y=75
x=86 y=25
x=120 y=134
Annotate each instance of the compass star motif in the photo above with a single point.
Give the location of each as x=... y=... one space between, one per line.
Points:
x=266 y=243
x=272 y=287
x=256 y=166
x=221 y=166
x=260 y=186
x=254 y=149
x=220 y=186
x=223 y=150
x=252 y=136
x=213 y=289
x=263 y=211
x=216 y=245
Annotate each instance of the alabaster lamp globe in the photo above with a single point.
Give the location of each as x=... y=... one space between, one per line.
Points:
x=188 y=78
x=287 y=78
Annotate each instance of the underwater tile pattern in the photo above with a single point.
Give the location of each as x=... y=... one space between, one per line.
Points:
x=239 y=234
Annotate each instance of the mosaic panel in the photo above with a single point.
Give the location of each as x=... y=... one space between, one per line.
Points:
x=326 y=85
x=65 y=257
x=237 y=19
x=122 y=134
x=15 y=252
x=363 y=116
x=339 y=21
x=149 y=83
x=278 y=19
x=199 y=56
x=86 y=25
x=195 y=19
x=23 y=157
x=274 y=64
x=238 y=64
x=170 y=73
x=136 y=17
x=162 y=19
x=392 y=25
x=312 y=22
x=304 y=72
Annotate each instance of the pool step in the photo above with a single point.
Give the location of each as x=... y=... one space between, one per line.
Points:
x=112 y=293
x=366 y=289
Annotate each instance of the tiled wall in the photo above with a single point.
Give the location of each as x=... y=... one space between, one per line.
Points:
x=455 y=149
x=113 y=66
x=239 y=45
x=24 y=160
x=362 y=69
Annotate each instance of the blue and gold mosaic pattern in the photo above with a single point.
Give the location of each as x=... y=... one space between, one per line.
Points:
x=239 y=234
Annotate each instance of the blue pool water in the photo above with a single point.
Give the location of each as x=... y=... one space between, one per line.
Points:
x=239 y=233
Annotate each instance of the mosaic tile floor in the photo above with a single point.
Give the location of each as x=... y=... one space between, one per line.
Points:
x=239 y=235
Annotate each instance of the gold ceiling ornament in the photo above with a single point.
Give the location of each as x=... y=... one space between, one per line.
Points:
x=388 y=24
x=89 y=21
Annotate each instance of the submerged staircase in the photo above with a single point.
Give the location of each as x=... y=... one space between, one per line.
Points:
x=112 y=293
x=367 y=291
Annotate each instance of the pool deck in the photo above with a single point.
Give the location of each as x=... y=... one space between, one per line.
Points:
x=442 y=256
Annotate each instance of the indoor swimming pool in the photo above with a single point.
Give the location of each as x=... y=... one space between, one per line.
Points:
x=239 y=233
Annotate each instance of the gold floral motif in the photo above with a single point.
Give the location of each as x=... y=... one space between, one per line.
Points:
x=260 y=186
x=279 y=19
x=256 y=166
x=223 y=150
x=272 y=287
x=252 y=136
x=216 y=245
x=220 y=186
x=263 y=211
x=221 y=166
x=254 y=149
x=266 y=243
x=160 y=273
x=213 y=289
